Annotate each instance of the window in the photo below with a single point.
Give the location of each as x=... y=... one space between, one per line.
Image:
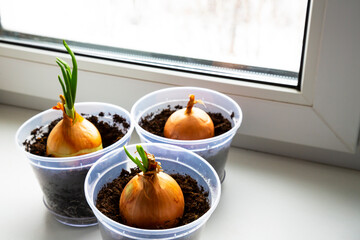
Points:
x=323 y=114
x=257 y=40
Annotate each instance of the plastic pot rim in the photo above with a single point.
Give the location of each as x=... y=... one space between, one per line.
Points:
x=74 y=158
x=227 y=134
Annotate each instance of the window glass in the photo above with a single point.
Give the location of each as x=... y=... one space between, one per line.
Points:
x=260 y=40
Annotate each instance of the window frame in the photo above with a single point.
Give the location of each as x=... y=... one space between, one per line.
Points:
x=245 y=71
x=312 y=114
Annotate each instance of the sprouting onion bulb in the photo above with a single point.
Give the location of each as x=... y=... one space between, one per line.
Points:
x=190 y=123
x=73 y=135
x=152 y=199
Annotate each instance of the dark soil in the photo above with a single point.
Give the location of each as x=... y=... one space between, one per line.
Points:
x=155 y=123
x=195 y=197
x=64 y=189
x=109 y=133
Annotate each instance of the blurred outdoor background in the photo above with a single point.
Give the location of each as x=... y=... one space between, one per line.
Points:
x=264 y=33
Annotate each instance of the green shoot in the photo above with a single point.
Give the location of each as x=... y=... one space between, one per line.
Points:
x=143 y=156
x=137 y=161
x=69 y=82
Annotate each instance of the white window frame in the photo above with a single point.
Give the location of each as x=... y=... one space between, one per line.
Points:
x=325 y=114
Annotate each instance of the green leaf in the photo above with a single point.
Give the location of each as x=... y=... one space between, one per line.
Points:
x=67 y=94
x=135 y=160
x=143 y=156
x=63 y=73
x=62 y=85
x=74 y=71
x=69 y=82
x=65 y=87
x=63 y=63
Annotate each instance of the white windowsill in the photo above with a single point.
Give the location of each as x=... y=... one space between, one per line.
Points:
x=263 y=197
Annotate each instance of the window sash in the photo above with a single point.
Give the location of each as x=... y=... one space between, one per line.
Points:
x=191 y=65
x=229 y=71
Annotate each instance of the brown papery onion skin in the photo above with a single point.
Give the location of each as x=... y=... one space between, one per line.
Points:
x=73 y=137
x=189 y=123
x=152 y=201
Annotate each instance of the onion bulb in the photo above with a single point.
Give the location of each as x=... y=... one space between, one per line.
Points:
x=190 y=123
x=152 y=199
x=73 y=135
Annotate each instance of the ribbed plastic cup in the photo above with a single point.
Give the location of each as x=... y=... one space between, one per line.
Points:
x=62 y=179
x=215 y=150
x=173 y=159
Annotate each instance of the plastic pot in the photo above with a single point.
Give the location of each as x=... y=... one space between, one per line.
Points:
x=215 y=149
x=173 y=159
x=62 y=179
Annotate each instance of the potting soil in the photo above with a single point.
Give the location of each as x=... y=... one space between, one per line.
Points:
x=64 y=189
x=155 y=123
x=195 y=197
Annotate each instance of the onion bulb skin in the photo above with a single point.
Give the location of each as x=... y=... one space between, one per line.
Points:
x=189 y=123
x=73 y=137
x=152 y=201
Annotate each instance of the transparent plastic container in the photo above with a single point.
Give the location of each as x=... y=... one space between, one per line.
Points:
x=173 y=159
x=62 y=179
x=215 y=149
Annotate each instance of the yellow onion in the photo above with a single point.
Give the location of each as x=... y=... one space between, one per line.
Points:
x=73 y=137
x=152 y=199
x=190 y=123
